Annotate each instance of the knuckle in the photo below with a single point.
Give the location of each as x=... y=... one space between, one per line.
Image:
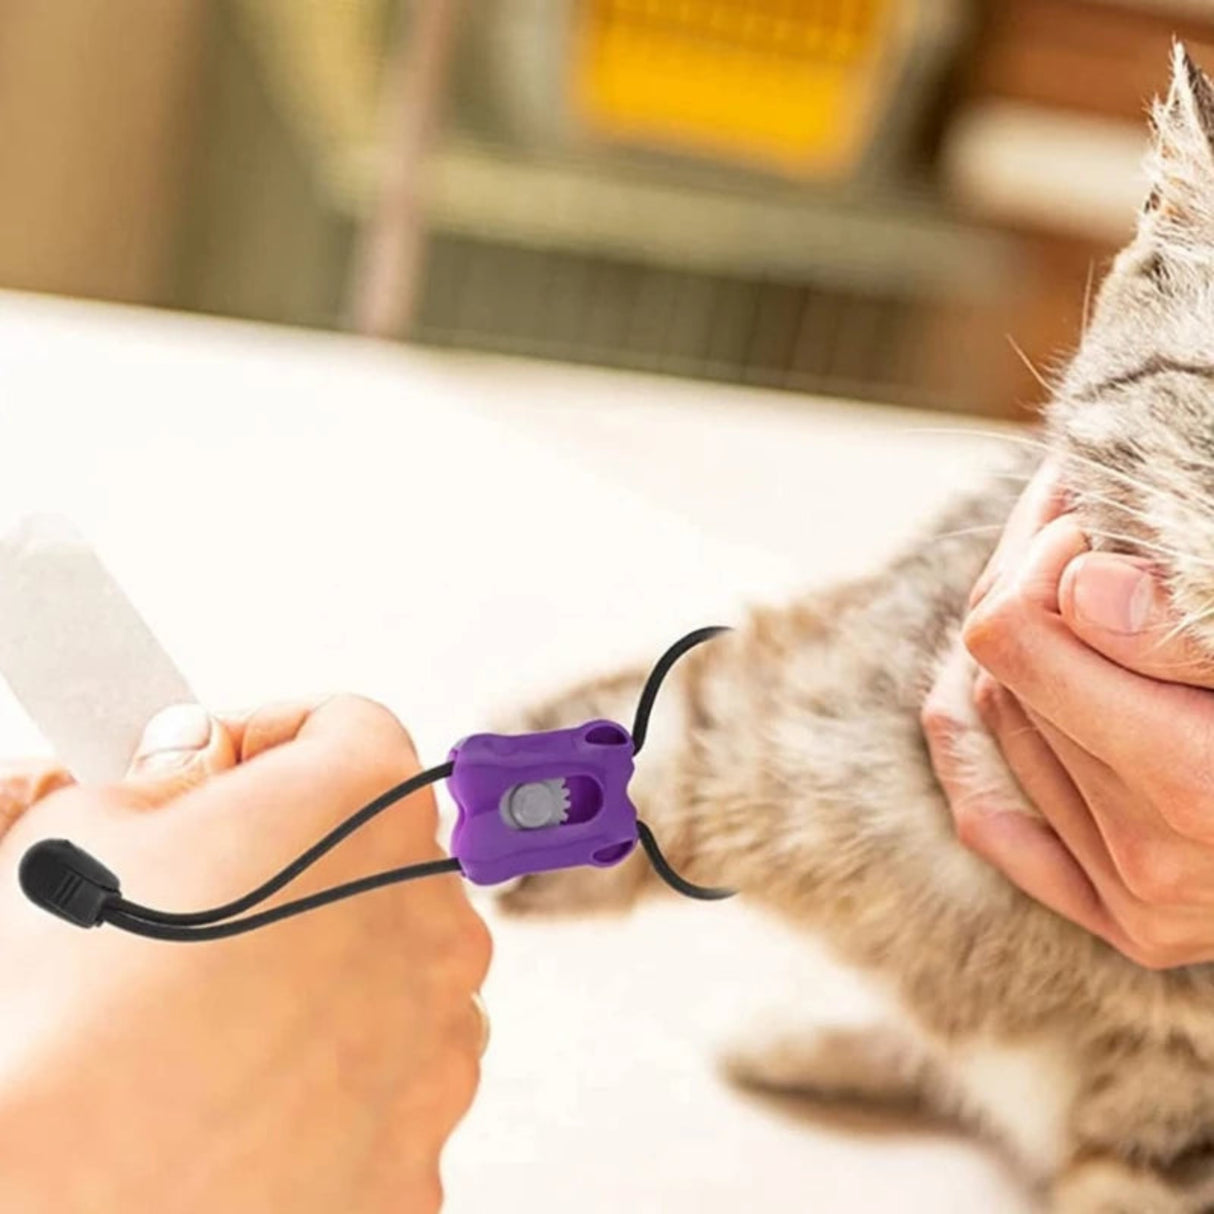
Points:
x=460 y=951
x=1187 y=813
x=395 y=728
x=1151 y=869
x=23 y=787
x=1144 y=869
x=481 y=948
x=462 y=1077
x=389 y=752
x=1182 y=784
x=344 y=703
x=970 y=827
x=1192 y=818
x=471 y=951
x=373 y=714
x=428 y=1195
x=988 y=698
x=1140 y=955
x=992 y=631
x=1150 y=958
x=1157 y=942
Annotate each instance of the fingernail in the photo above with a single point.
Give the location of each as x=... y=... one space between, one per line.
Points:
x=173 y=737
x=1112 y=593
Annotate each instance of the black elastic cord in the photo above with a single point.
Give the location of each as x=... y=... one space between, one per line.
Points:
x=657 y=676
x=661 y=866
x=119 y=916
x=640 y=730
x=132 y=910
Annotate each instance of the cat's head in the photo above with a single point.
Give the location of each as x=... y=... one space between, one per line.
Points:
x=1135 y=410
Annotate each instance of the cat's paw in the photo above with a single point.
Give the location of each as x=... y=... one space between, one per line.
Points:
x=871 y=1065
x=959 y=739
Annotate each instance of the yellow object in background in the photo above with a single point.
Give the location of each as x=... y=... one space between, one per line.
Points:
x=793 y=84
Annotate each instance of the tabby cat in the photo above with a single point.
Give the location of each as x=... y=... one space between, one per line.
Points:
x=789 y=762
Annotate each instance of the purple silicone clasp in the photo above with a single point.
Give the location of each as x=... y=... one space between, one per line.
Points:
x=534 y=802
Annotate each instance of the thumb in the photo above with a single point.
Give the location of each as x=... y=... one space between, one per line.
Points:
x=1117 y=605
x=181 y=747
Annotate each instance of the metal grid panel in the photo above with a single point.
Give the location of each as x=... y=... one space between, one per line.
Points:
x=581 y=308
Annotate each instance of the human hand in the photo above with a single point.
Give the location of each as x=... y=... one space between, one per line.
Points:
x=318 y=1065
x=1102 y=710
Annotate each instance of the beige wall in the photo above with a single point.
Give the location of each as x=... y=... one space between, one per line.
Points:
x=96 y=107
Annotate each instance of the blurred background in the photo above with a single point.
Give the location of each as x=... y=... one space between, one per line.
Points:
x=862 y=198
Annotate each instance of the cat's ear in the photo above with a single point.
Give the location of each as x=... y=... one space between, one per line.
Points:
x=1181 y=163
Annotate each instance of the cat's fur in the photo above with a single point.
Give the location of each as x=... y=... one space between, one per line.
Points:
x=789 y=763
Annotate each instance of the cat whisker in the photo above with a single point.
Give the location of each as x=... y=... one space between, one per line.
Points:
x=1148 y=491
x=1130 y=511
x=1036 y=444
x=984 y=529
x=1138 y=542
x=1134 y=513
x=1087 y=299
x=1028 y=362
x=1189 y=620
x=958 y=432
x=1179 y=627
x=1141 y=486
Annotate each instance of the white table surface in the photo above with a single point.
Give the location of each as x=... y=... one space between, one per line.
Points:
x=297 y=512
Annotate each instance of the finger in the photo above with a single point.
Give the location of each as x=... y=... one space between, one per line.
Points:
x=1154 y=865
x=1025 y=849
x=1026 y=744
x=182 y=747
x=1149 y=888
x=1034 y=579
x=24 y=783
x=1118 y=607
x=322 y=760
x=1017 y=634
x=234 y=830
x=1041 y=501
x=1041 y=776
x=986 y=824
x=345 y=753
x=1033 y=857
x=1101 y=902
x=1157 y=929
x=1054 y=770
x=260 y=729
x=360 y=726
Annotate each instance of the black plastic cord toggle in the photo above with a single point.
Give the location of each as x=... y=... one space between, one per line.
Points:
x=61 y=878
